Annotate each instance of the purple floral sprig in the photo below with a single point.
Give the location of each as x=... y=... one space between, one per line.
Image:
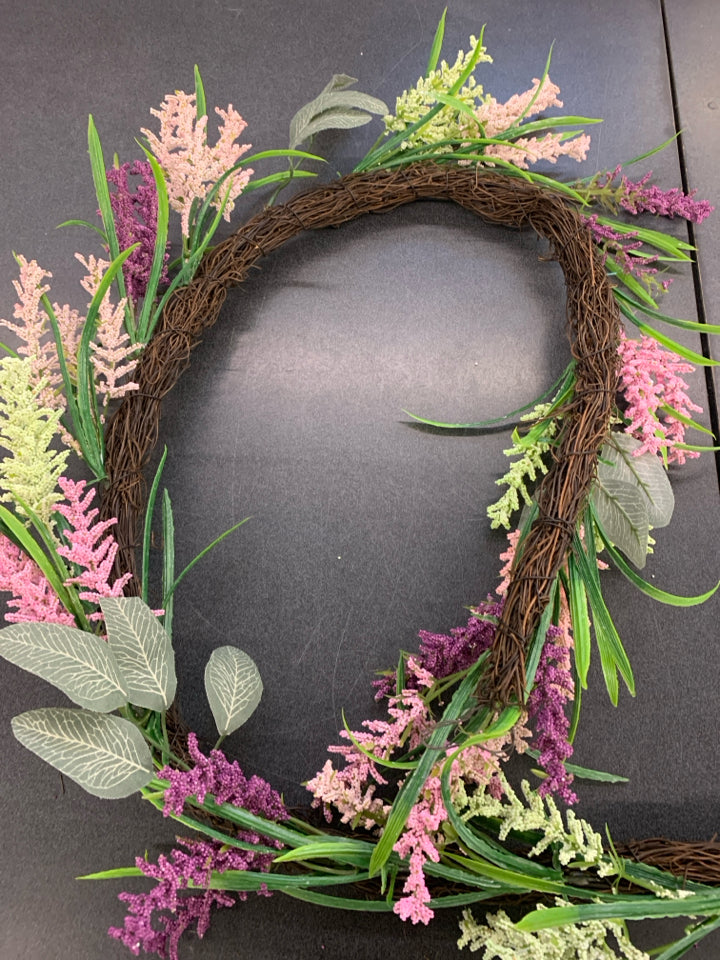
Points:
x=642 y=196
x=157 y=920
x=620 y=246
x=554 y=687
x=444 y=654
x=224 y=780
x=136 y=216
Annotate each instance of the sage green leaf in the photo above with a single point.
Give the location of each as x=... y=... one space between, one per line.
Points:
x=339 y=81
x=233 y=687
x=143 y=651
x=76 y=662
x=622 y=511
x=646 y=472
x=335 y=108
x=337 y=118
x=105 y=755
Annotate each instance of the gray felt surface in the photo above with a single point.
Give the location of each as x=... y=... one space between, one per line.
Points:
x=364 y=528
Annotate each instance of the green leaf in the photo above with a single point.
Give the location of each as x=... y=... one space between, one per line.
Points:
x=668 y=342
x=76 y=662
x=145 y=324
x=561 y=387
x=680 y=948
x=147 y=529
x=233 y=687
x=334 y=118
x=105 y=755
x=168 y=577
x=621 y=509
x=631 y=908
x=200 y=555
x=648 y=588
x=585 y=773
x=580 y=621
x=200 y=102
x=102 y=192
x=631 y=282
x=646 y=472
x=681 y=418
x=436 y=45
x=626 y=301
x=612 y=653
x=653 y=238
x=335 y=108
x=143 y=651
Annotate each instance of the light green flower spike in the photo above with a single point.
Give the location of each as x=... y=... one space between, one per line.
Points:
x=575 y=843
x=31 y=469
x=448 y=123
x=530 y=449
x=501 y=940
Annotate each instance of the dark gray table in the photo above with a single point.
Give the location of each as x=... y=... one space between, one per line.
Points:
x=364 y=529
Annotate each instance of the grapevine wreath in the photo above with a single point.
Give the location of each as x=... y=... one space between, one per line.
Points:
x=414 y=812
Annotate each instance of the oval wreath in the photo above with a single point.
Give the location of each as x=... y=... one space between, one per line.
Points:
x=433 y=821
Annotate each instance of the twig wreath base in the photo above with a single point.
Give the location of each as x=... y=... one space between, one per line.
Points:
x=593 y=320
x=593 y=328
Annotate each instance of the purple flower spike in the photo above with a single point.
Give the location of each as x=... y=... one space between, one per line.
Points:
x=135 y=216
x=546 y=708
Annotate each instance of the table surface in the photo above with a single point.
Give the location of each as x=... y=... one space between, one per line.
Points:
x=365 y=529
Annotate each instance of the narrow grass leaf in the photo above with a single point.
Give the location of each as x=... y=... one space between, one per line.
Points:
x=168 y=577
x=147 y=528
x=648 y=588
x=436 y=44
x=580 y=621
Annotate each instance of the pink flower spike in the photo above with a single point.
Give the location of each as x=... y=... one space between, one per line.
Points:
x=93 y=555
x=33 y=598
x=649 y=380
x=190 y=164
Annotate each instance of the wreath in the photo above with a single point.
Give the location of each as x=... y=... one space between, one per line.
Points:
x=431 y=819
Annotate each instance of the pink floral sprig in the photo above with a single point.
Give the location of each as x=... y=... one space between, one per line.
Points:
x=34 y=331
x=92 y=549
x=650 y=379
x=496 y=117
x=135 y=213
x=191 y=165
x=33 y=599
x=113 y=355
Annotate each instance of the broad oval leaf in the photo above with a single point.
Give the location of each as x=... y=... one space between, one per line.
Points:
x=105 y=755
x=618 y=462
x=143 y=651
x=233 y=687
x=621 y=509
x=76 y=662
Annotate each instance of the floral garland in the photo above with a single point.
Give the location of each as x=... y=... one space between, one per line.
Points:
x=423 y=793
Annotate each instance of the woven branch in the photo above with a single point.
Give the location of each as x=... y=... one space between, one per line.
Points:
x=593 y=323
